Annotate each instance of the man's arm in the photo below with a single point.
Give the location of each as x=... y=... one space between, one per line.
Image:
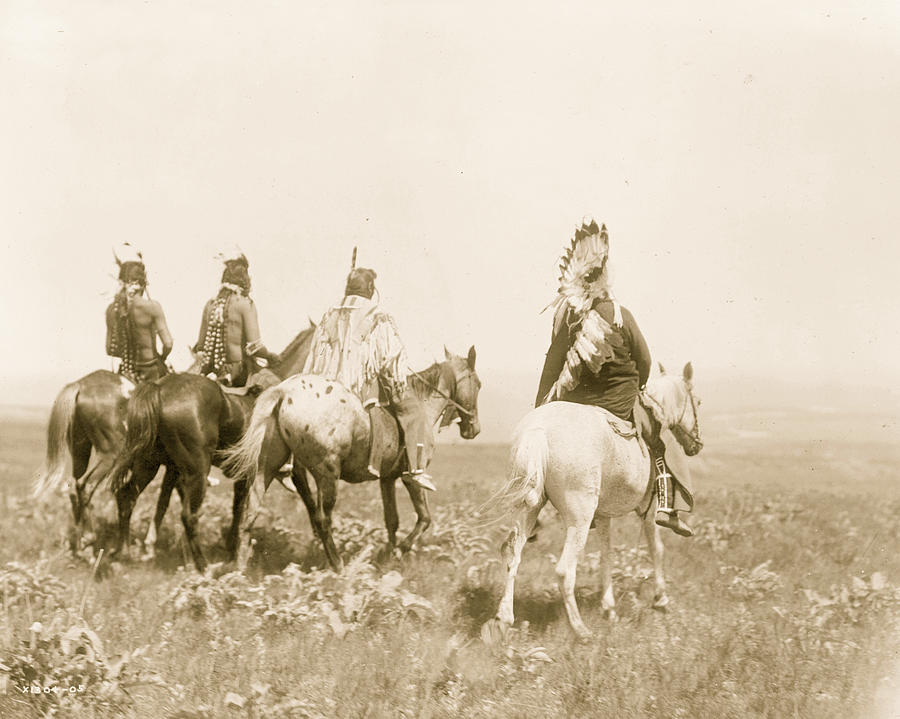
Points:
x=556 y=358
x=640 y=352
x=253 y=343
x=161 y=329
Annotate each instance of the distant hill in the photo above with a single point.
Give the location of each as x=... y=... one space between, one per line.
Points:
x=508 y=394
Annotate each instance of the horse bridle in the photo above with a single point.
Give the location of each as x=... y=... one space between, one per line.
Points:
x=456 y=380
x=688 y=399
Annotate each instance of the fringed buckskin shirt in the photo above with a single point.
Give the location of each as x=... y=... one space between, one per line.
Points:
x=356 y=343
x=615 y=387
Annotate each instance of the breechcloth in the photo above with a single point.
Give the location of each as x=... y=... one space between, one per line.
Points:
x=662 y=443
x=148 y=371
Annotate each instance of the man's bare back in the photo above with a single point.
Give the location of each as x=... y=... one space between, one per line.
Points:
x=149 y=322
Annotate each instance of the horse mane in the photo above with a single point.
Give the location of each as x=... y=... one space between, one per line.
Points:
x=424 y=382
x=665 y=394
x=298 y=340
x=296 y=346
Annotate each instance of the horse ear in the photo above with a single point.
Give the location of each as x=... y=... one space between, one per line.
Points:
x=447 y=354
x=470 y=360
x=688 y=372
x=312 y=325
x=662 y=370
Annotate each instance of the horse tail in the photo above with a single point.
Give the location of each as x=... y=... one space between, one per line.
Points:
x=524 y=486
x=59 y=435
x=241 y=460
x=142 y=430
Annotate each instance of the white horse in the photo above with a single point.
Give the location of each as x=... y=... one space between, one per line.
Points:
x=569 y=454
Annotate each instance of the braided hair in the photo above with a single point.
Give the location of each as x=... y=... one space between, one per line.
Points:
x=133 y=282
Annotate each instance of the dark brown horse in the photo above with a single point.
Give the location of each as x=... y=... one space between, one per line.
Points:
x=182 y=421
x=87 y=419
x=324 y=427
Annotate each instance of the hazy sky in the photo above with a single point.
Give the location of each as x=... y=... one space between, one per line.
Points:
x=745 y=162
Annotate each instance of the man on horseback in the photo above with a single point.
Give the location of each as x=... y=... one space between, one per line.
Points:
x=358 y=345
x=598 y=356
x=229 y=344
x=133 y=322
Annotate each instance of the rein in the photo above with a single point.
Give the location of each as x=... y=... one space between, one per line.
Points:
x=459 y=408
x=687 y=398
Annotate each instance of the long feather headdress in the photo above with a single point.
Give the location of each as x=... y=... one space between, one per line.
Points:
x=584 y=272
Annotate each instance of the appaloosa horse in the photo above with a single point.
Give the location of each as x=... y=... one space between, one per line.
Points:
x=569 y=454
x=88 y=416
x=324 y=426
x=183 y=421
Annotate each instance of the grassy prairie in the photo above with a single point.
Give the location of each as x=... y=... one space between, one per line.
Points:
x=784 y=604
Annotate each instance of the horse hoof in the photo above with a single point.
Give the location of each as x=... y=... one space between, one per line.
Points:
x=494 y=632
x=583 y=635
x=611 y=616
x=661 y=603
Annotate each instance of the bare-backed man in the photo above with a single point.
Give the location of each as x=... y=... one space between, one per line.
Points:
x=133 y=324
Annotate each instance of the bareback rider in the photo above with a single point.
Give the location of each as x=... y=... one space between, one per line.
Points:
x=598 y=356
x=134 y=321
x=357 y=344
x=229 y=343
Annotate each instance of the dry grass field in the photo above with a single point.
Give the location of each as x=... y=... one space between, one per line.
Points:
x=785 y=604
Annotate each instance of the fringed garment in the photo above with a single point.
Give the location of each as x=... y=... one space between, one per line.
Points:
x=357 y=345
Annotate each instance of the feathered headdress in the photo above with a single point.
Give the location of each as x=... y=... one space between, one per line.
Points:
x=584 y=278
x=583 y=271
x=236 y=269
x=131 y=264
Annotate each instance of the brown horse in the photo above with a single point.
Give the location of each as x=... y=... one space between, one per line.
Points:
x=324 y=426
x=87 y=418
x=182 y=421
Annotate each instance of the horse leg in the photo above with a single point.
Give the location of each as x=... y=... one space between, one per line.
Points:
x=608 y=600
x=326 y=491
x=142 y=473
x=578 y=517
x=656 y=549
x=317 y=513
x=194 y=484
x=298 y=477
x=511 y=552
x=81 y=454
x=238 y=511
x=248 y=496
x=419 y=498
x=162 y=504
x=391 y=519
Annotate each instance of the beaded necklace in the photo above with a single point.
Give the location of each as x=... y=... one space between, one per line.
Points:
x=122 y=341
x=216 y=320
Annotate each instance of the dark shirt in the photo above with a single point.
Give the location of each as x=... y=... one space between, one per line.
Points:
x=615 y=387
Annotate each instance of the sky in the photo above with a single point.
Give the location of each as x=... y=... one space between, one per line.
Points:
x=745 y=161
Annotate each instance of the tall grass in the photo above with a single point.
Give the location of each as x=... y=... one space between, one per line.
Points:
x=784 y=604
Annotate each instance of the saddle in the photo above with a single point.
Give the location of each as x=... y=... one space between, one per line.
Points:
x=621 y=427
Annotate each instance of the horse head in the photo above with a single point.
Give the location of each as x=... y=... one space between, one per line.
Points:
x=463 y=391
x=678 y=405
